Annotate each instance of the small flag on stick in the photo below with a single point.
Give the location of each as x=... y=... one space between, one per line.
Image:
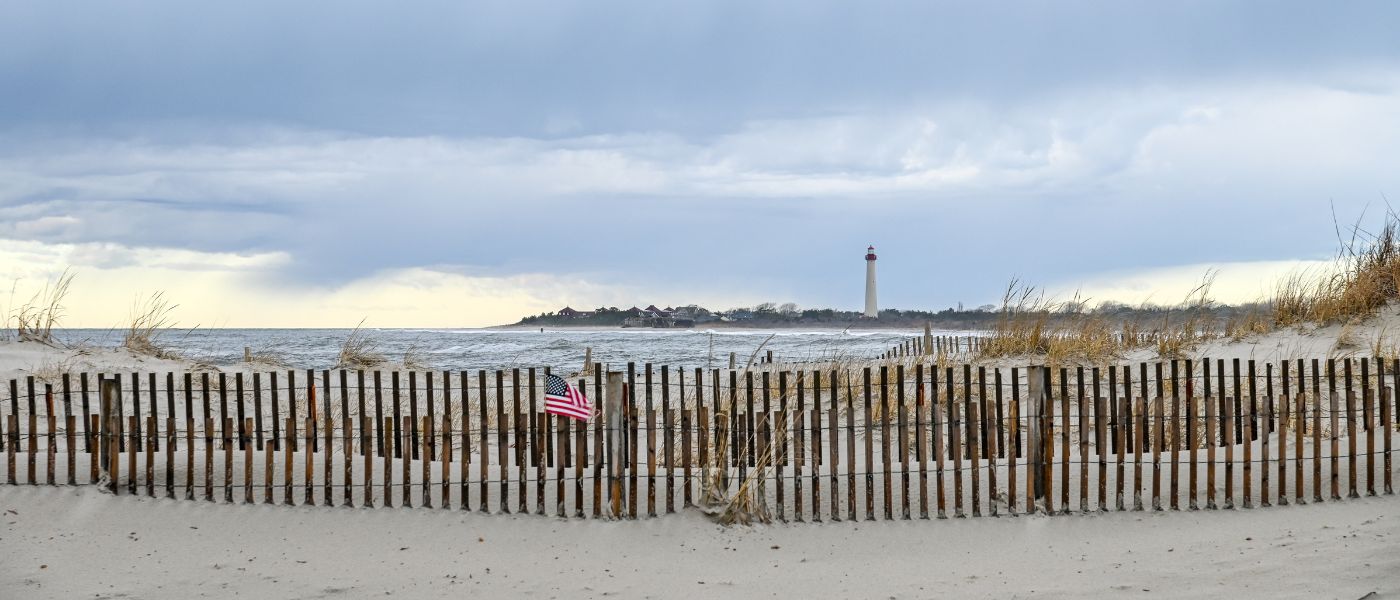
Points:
x=562 y=398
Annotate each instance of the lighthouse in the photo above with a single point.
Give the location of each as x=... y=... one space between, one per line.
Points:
x=871 y=310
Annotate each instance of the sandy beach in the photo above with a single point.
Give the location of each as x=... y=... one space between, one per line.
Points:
x=83 y=543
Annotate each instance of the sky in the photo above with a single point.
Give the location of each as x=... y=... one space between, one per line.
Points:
x=453 y=164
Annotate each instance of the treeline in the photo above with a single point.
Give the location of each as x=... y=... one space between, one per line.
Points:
x=770 y=315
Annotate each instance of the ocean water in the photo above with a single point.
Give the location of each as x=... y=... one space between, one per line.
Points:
x=457 y=349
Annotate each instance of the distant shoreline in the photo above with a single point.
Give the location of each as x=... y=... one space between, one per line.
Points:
x=729 y=326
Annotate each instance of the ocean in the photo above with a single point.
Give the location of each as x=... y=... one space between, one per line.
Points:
x=457 y=349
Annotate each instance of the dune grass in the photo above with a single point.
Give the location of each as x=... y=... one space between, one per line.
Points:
x=1362 y=279
x=150 y=319
x=1032 y=324
x=359 y=350
x=36 y=319
x=1069 y=332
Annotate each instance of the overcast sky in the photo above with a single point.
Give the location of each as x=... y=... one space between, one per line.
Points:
x=462 y=164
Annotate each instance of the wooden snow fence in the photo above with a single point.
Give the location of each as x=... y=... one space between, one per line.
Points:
x=909 y=439
x=949 y=345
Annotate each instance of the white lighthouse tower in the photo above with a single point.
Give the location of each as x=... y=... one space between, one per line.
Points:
x=871 y=310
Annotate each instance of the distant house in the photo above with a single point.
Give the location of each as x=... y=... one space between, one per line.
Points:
x=570 y=313
x=691 y=310
x=661 y=318
x=693 y=313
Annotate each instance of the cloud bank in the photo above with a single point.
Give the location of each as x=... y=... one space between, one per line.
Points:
x=455 y=165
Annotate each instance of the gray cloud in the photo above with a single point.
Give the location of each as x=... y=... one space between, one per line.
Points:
x=716 y=147
x=532 y=68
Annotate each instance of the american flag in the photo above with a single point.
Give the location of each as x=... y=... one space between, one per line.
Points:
x=561 y=398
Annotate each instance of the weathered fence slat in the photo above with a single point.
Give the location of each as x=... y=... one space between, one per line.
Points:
x=632 y=463
x=816 y=447
x=309 y=454
x=386 y=429
x=429 y=444
x=885 y=458
x=1271 y=410
x=133 y=449
x=668 y=436
x=366 y=440
x=991 y=432
x=269 y=451
x=1387 y=425
x=483 y=448
x=347 y=445
x=52 y=450
x=406 y=468
x=12 y=429
x=522 y=444
x=834 y=431
x=650 y=417
x=599 y=458
x=1013 y=433
x=1193 y=435
x=955 y=446
x=1158 y=444
x=1229 y=434
x=974 y=450
x=1064 y=441
x=1351 y=439
x=850 y=446
x=869 y=430
x=687 y=439
x=539 y=450
x=1083 y=422
x=31 y=452
x=1100 y=447
x=580 y=459
x=1175 y=443
x=1370 y=445
x=921 y=449
x=287 y=455
x=248 y=447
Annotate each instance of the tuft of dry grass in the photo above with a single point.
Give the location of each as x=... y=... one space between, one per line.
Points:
x=1363 y=278
x=1030 y=324
x=150 y=319
x=414 y=359
x=1382 y=345
x=1176 y=339
x=266 y=355
x=359 y=350
x=1023 y=324
x=36 y=319
x=51 y=370
x=1253 y=322
x=1066 y=332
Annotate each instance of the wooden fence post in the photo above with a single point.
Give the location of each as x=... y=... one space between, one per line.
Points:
x=612 y=412
x=1039 y=382
x=108 y=440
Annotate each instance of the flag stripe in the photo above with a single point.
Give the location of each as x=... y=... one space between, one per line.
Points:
x=568 y=412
